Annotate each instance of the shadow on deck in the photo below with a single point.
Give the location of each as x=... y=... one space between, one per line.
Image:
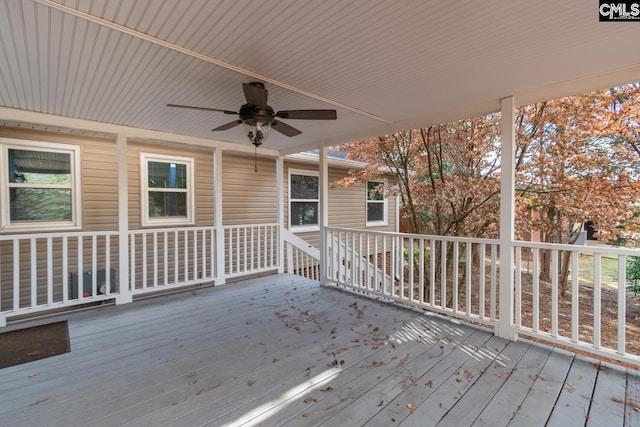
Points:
x=280 y=350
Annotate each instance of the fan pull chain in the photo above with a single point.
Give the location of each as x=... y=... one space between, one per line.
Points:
x=255 y=158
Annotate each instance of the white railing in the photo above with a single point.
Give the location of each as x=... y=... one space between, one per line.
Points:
x=41 y=272
x=171 y=257
x=576 y=296
x=250 y=249
x=450 y=275
x=302 y=259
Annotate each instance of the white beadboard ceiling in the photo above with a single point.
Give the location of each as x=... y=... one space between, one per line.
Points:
x=384 y=65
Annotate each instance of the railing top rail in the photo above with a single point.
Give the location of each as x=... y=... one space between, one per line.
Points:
x=170 y=230
x=270 y=224
x=578 y=248
x=57 y=235
x=420 y=236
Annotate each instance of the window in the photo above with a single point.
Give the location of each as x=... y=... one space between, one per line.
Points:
x=39 y=186
x=167 y=190
x=376 y=204
x=303 y=201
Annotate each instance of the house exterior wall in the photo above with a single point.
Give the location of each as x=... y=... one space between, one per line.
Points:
x=347 y=205
x=249 y=197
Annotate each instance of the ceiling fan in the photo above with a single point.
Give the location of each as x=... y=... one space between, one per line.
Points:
x=258 y=118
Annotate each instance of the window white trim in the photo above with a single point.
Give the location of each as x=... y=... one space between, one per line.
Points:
x=384 y=202
x=302 y=228
x=189 y=219
x=76 y=195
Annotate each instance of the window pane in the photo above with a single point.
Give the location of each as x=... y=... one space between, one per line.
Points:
x=375 y=212
x=163 y=204
x=40 y=204
x=304 y=187
x=167 y=175
x=375 y=190
x=39 y=167
x=304 y=213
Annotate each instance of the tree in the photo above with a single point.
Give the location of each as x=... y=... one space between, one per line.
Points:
x=574 y=166
x=446 y=175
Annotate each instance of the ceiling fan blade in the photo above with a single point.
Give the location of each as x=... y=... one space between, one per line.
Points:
x=285 y=129
x=308 y=114
x=202 y=108
x=228 y=125
x=256 y=94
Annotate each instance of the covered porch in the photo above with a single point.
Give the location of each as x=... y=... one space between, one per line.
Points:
x=282 y=350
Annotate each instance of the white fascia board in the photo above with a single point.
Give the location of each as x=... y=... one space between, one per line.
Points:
x=54 y=121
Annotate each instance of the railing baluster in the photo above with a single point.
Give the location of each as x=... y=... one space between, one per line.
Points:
x=165 y=259
x=443 y=274
x=186 y=256
x=554 y=293
x=597 y=293
x=49 y=270
x=494 y=286
x=195 y=255
x=535 y=279
x=203 y=250
x=107 y=264
x=155 y=260
x=454 y=277
x=132 y=263
x=411 y=266
x=16 y=274
x=145 y=283
x=34 y=272
x=421 y=273
x=622 y=304
x=432 y=273
x=468 y=265
x=481 y=281
x=176 y=258
x=518 y=289
x=94 y=266
x=80 y=268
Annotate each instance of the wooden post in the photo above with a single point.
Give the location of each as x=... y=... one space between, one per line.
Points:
x=124 y=294
x=323 y=214
x=280 y=211
x=217 y=212
x=505 y=327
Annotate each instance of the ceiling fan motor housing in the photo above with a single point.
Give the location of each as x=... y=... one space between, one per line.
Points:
x=253 y=114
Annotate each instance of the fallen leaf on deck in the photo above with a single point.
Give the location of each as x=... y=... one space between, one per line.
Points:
x=381 y=403
x=411 y=407
x=327 y=390
x=310 y=400
x=198 y=307
x=37 y=402
x=306 y=414
x=250 y=383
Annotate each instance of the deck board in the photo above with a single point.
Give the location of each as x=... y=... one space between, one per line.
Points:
x=281 y=350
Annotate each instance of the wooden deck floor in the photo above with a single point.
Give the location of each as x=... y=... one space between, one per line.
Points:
x=280 y=350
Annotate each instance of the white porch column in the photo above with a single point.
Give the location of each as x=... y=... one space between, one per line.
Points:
x=124 y=295
x=217 y=216
x=505 y=328
x=323 y=214
x=280 y=211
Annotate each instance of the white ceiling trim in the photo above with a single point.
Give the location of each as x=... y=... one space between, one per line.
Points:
x=22 y=116
x=194 y=54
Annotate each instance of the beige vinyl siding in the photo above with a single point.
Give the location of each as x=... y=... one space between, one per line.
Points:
x=347 y=205
x=248 y=197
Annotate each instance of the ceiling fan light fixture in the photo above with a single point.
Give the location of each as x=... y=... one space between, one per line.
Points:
x=256 y=130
